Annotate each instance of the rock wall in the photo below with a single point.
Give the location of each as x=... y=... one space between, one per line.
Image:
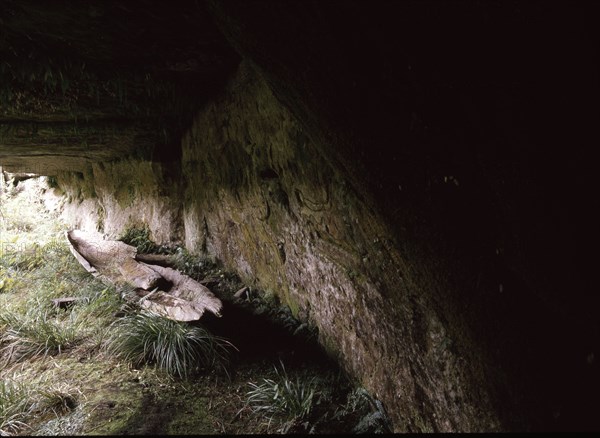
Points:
x=109 y=197
x=255 y=192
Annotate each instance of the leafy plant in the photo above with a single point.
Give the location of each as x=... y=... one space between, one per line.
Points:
x=283 y=397
x=15 y=404
x=58 y=399
x=35 y=333
x=140 y=238
x=371 y=415
x=175 y=347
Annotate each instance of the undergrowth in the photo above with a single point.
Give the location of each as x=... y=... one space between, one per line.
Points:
x=176 y=347
x=289 y=399
x=35 y=333
x=140 y=238
x=96 y=364
x=36 y=267
x=15 y=404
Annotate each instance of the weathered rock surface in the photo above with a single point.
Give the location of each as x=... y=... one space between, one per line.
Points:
x=258 y=195
x=385 y=169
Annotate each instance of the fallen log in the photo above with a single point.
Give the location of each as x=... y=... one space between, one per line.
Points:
x=162 y=290
x=157 y=259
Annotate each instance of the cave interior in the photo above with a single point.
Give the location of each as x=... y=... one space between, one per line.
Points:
x=447 y=142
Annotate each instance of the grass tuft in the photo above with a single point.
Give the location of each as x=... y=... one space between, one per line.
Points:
x=370 y=412
x=35 y=333
x=291 y=400
x=15 y=405
x=176 y=347
x=58 y=399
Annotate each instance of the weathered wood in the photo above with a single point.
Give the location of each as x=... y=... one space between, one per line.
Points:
x=161 y=289
x=210 y=280
x=65 y=302
x=157 y=259
x=240 y=292
x=196 y=297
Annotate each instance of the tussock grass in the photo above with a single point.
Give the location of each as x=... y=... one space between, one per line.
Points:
x=176 y=347
x=15 y=405
x=283 y=397
x=35 y=333
x=193 y=265
x=20 y=401
x=60 y=366
x=58 y=398
x=371 y=415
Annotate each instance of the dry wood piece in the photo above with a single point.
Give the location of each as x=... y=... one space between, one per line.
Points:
x=240 y=292
x=210 y=280
x=157 y=259
x=162 y=290
x=188 y=289
x=64 y=302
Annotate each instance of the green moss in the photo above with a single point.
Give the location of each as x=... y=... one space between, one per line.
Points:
x=52 y=182
x=139 y=236
x=193 y=418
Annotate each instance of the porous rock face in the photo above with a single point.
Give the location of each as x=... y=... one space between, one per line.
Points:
x=111 y=196
x=415 y=179
x=257 y=194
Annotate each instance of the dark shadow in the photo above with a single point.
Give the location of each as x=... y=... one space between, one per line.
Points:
x=267 y=335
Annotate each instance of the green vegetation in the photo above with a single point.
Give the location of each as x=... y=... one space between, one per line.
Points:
x=291 y=400
x=371 y=413
x=52 y=182
x=176 y=347
x=99 y=365
x=35 y=333
x=74 y=347
x=14 y=405
x=21 y=400
x=140 y=238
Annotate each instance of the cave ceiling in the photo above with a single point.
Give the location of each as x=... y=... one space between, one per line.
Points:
x=89 y=81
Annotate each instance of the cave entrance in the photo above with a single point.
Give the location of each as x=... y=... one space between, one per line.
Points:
x=58 y=326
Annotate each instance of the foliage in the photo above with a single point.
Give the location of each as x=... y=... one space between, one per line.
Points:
x=65 y=390
x=52 y=182
x=57 y=398
x=98 y=303
x=140 y=238
x=6 y=280
x=192 y=265
x=283 y=397
x=20 y=401
x=35 y=333
x=371 y=415
x=14 y=405
x=175 y=347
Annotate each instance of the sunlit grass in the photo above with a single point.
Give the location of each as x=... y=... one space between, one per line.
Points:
x=58 y=398
x=15 y=405
x=35 y=333
x=22 y=399
x=36 y=267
